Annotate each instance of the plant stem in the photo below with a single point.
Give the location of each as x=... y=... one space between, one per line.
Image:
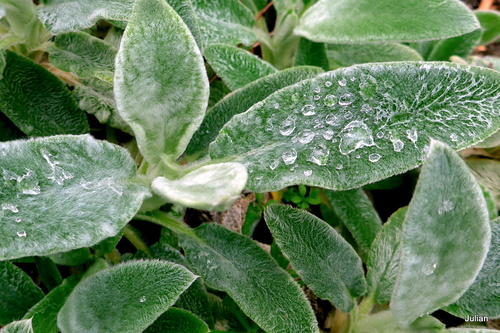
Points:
x=365 y=307
x=167 y=221
x=133 y=237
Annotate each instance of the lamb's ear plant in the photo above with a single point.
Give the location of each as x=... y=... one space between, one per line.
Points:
x=337 y=97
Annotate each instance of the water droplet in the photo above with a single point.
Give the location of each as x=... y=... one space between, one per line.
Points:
x=269 y=124
x=317 y=90
x=358 y=156
x=453 y=137
x=328 y=84
x=430 y=269
x=18 y=220
x=447 y=206
x=342 y=82
x=389 y=84
x=348 y=115
x=295 y=97
x=319 y=155
x=305 y=136
x=354 y=136
x=276 y=106
x=142 y=299
x=307 y=173
x=308 y=110
x=317 y=97
x=366 y=108
x=380 y=135
x=21 y=234
x=11 y=207
x=374 y=158
x=274 y=164
x=426 y=148
x=412 y=135
x=289 y=156
x=397 y=144
x=328 y=134
x=368 y=87
x=332 y=120
x=339 y=167
x=287 y=126
x=330 y=100
x=346 y=99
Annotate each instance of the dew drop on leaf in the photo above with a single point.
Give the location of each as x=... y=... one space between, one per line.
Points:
x=342 y=82
x=447 y=206
x=368 y=87
x=18 y=220
x=330 y=100
x=289 y=156
x=332 y=120
x=430 y=269
x=11 y=207
x=308 y=110
x=305 y=136
x=453 y=137
x=397 y=144
x=348 y=115
x=317 y=90
x=142 y=299
x=328 y=84
x=319 y=155
x=274 y=164
x=374 y=158
x=339 y=167
x=287 y=126
x=412 y=135
x=366 y=108
x=21 y=234
x=380 y=135
x=346 y=99
x=328 y=134
x=355 y=135
x=307 y=173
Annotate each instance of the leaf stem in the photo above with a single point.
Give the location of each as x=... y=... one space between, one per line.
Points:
x=133 y=237
x=365 y=307
x=167 y=221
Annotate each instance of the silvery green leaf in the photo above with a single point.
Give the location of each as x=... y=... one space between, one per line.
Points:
x=321 y=257
x=125 y=298
x=358 y=215
x=357 y=125
x=18 y=293
x=233 y=263
x=64 y=192
x=344 y=55
x=225 y=22
x=445 y=238
x=486 y=172
x=150 y=80
x=72 y=15
x=482 y=297
x=36 y=101
x=236 y=67
x=21 y=326
x=178 y=321
x=461 y=46
x=311 y=54
x=186 y=11
x=358 y=21
x=210 y=187
x=383 y=322
x=83 y=55
x=241 y=100
x=490 y=142
x=490 y=24
x=383 y=259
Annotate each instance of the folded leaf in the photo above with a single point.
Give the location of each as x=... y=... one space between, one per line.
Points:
x=37 y=101
x=361 y=124
x=383 y=259
x=125 y=298
x=18 y=293
x=178 y=321
x=150 y=80
x=236 y=66
x=322 y=258
x=211 y=187
x=233 y=263
x=358 y=21
x=482 y=297
x=62 y=193
x=445 y=239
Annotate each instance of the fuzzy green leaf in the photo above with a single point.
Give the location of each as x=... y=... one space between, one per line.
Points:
x=125 y=298
x=344 y=55
x=383 y=259
x=490 y=23
x=22 y=326
x=225 y=22
x=361 y=124
x=461 y=46
x=186 y=11
x=311 y=54
x=236 y=66
x=321 y=257
x=483 y=296
x=64 y=192
x=83 y=54
x=470 y=330
x=445 y=239
x=235 y=264
x=18 y=293
x=487 y=174
x=241 y=100
x=72 y=15
x=358 y=21
x=178 y=321
x=383 y=322
x=357 y=213
x=211 y=187
x=37 y=101
x=150 y=80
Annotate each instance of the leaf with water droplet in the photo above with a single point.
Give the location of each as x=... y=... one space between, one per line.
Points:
x=481 y=299
x=109 y=300
x=63 y=215
x=19 y=293
x=441 y=253
x=412 y=102
x=236 y=66
x=321 y=257
x=333 y=21
x=265 y=292
x=150 y=92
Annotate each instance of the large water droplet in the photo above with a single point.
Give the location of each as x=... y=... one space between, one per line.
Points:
x=289 y=156
x=328 y=134
x=346 y=99
x=287 y=126
x=447 y=206
x=21 y=234
x=308 y=110
x=11 y=207
x=412 y=135
x=319 y=155
x=354 y=136
x=305 y=136
x=332 y=120
x=397 y=144
x=330 y=100
x=374 y=158
x=428 y=270
x=368 y=87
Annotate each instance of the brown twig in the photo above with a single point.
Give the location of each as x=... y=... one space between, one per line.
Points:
x=213 y=78
x=263 y=11
x=486 y=4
